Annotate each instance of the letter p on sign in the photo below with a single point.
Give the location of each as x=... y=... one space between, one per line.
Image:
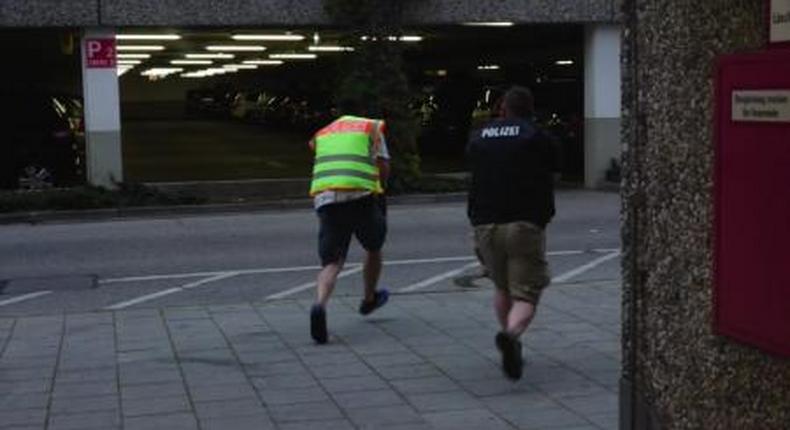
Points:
x=100 y=53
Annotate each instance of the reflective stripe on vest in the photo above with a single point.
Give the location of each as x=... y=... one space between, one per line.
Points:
x=344 y=158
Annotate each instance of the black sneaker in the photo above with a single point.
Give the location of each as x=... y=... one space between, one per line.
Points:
x=512 y=359
x=318 y=324
x=380 y=297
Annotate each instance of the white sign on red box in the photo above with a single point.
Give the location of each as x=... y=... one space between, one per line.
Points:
x=780 y=21
x=100 y=53
x=761 y=105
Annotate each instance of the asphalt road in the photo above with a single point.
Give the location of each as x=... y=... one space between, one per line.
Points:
x=268 y=255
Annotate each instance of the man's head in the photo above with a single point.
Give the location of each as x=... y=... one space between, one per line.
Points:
x=518 y=102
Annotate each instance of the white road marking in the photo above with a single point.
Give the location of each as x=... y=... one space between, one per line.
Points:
x=309 y=285
x=24 y=297
x=262 y=271
x=204 y=274
x=167 y=292
x=438 y=278
x=581 y=269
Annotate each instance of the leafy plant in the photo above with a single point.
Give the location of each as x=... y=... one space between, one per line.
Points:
x=373 y=76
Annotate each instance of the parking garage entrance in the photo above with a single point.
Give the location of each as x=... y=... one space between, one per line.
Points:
x=239 y=104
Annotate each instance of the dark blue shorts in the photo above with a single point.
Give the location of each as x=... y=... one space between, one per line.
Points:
x=364 y=218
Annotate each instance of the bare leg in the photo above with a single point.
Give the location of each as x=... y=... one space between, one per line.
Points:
x=371 y=273
x=519 y=317
x=326 y=281
x=502 y=305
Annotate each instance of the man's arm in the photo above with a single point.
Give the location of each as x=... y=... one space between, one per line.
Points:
x=384 y=170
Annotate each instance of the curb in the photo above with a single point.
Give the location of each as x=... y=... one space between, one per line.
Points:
x=107 y=214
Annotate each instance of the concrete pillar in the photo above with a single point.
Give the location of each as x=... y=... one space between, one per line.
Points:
x=102 y=108
x=602 y=81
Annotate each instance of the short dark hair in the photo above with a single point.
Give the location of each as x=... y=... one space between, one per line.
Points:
x=519 y=101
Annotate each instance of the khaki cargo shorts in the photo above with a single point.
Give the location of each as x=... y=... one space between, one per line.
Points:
x=514 y=255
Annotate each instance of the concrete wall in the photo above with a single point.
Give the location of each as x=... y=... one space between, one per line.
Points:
x=78 y=13
x=683 y=376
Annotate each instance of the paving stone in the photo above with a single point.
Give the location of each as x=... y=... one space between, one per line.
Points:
x=69 y=405
x=319 y=425
x=361 y=399
x=208 y=393
x=312 y=411
x=409 y=371
x=543 y=417
x=444 y=401
x=108 y=373
x=432 y=384
x=294 y=395
x=155 y=406
x=285 y=381
x=605 y=403
x=12 y=401
x=472 y=419
x=85 y=421
x=179 y=421
x=167 y=389
x=354 y=383
x=229 y=408
x=23 y=417
x=253 y=422
x=85 y=389
x=150 y=377
x=26 y=386
x=383 y=416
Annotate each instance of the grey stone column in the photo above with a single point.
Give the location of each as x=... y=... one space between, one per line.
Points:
x=601 y=100
x=677 y=373
x=102 y=118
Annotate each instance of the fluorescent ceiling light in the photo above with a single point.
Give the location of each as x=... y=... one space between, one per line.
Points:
x=133 y=56
x=488 y=67
x=564 y=62
x=293 y=56
x=217 y=56
x=140 y=48
x=129 y=62
x=187 y=62
x=240 y=66
x=490 y=24
x=328 y=48
x=147 y=37
x=161 y=71
x=269 y=37
x=263 y=62
x=412 y=38
x=236 y=48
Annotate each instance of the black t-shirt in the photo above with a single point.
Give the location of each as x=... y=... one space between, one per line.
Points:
x=512 y=164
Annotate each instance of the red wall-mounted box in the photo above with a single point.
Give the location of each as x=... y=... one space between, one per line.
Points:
x=752 y=201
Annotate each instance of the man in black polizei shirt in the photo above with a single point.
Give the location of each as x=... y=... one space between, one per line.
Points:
x=511 y=200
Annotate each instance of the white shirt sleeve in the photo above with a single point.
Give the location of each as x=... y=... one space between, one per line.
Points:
x=383 y=151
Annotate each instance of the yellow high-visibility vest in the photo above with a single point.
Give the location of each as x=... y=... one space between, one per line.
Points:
x=345 y=158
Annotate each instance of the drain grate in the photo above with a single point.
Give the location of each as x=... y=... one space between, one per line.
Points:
x=48 y=283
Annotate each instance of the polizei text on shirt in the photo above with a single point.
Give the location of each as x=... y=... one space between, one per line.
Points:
x=503 y=131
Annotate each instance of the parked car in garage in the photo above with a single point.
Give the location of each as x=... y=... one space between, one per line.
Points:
x=42 y=142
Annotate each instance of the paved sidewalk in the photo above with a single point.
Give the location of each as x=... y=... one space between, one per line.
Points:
x=424 y=361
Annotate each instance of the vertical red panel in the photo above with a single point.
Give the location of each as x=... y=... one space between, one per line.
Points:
x=752 y=186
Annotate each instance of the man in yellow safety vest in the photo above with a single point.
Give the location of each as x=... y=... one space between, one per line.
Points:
x=351 y=165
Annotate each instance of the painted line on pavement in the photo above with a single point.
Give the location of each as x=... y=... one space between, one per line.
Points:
x=309 y=285
x=263 y=271
x=584 y=268
x=438 y=278
x=24 y=297
x=169 y=291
